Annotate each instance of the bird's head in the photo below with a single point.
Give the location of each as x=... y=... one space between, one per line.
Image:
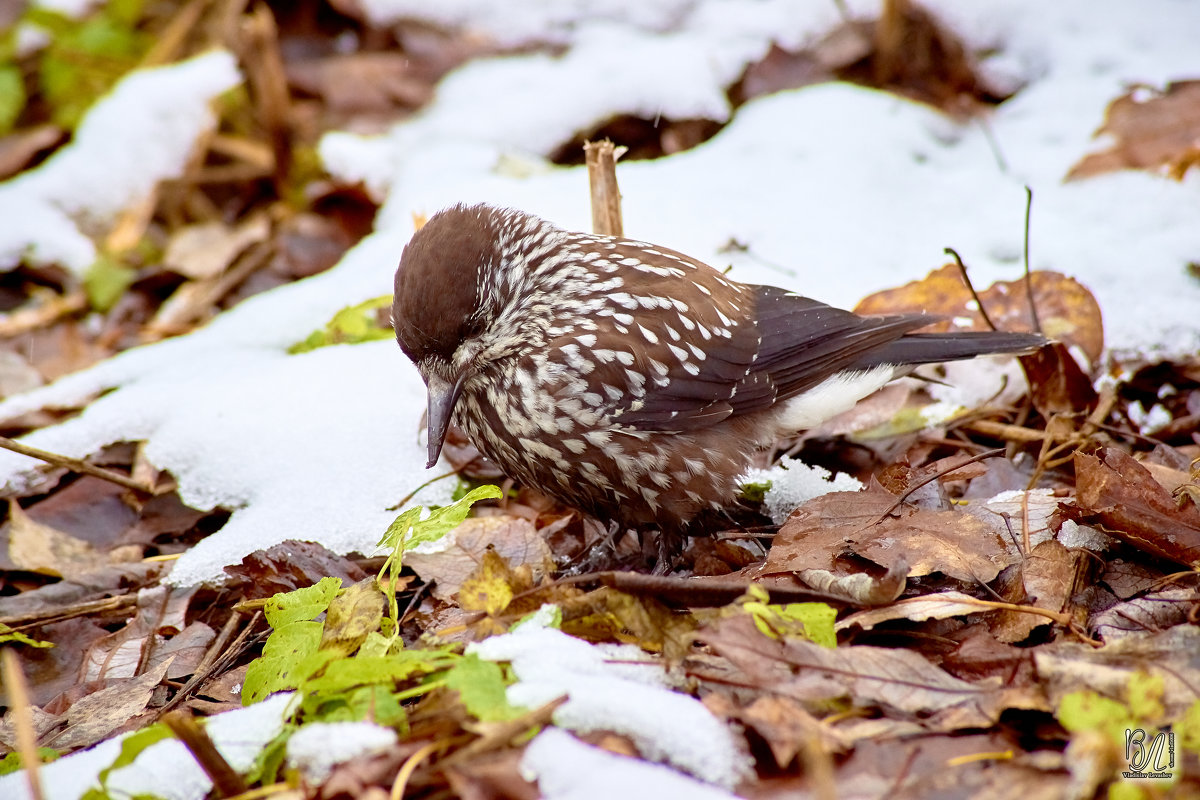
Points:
x=461 y=299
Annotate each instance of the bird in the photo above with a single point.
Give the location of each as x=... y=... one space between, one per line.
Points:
x=625 y=379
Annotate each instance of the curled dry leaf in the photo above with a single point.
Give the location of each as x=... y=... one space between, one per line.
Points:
x=1115 y=492
x=1150 y=130
x=1068 y=312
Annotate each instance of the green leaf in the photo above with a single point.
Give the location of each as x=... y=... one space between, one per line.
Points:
x=812 y=621
x=106 y=281
x=351 y=672
x=268 y=762
x=290 y=657
x=816 y=619
x=84 y=60
x=8 y=635
x=12 y=761
x=483 y=690
x=1146 y=697
x=409 y=529
x=12 y=97
x=754 y=492
x=1188 y=728
x=301 y=604
x=352 y=325
x=1086 y=710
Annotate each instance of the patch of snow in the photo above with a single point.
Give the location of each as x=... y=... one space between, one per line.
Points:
x=138 y=135
x=794 y=483
x=1149 y=422
x=568 y=769
x=619 y=689
x=315 y=749
x=1073 y=535
x=165 y=769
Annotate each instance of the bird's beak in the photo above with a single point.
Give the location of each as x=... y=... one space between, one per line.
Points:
x=442 y=397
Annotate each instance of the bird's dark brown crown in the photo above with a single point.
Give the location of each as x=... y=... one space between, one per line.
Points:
x=439 y=282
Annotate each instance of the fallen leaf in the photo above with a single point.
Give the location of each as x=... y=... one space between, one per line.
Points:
x=205 y=250
x=449 y=561
x=1068 y=312
x=1048 y=576
x=1115 y=492
x=890 y=678
x=95 y=716
x=821 y=531
x=1151 y=130
x=1157 y=611
x=46 y=550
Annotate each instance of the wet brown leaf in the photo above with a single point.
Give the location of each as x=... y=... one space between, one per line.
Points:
x=289 y=566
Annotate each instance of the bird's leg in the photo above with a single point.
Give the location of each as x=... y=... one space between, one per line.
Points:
x=600 y=556
x=669 y=549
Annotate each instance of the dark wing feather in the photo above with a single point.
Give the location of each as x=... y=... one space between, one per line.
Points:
x=805 y=341
x=762 y=345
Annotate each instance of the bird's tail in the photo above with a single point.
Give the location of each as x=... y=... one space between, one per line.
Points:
x=930 y=348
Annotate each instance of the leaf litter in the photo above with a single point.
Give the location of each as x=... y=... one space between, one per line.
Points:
x=1045 y=606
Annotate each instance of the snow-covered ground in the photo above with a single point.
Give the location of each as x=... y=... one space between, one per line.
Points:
x=838 y=190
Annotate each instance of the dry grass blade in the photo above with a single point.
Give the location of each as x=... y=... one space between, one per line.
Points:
x=18 y=702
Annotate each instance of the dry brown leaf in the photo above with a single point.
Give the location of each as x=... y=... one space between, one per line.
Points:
x=19 y=148
x=787 y=727
x=40 y=548
x=1152 y=612
x=1048 y=576
x=942 y=605
x=362 y=82
x=892 y=679
x=95 y=716
x=1116 y=493
x=1173 y=655
x=185 y=650
x=205 y=250
x=1151 y=130
x=823 y=529
x=459 y=554
x=1067 y=310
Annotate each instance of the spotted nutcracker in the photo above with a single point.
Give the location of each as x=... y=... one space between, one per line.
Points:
x=626 y=379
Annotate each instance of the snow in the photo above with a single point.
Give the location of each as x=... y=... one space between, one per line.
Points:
x=837 y=190
x=567 y=769
x=315 y=749
x=619 y=689
x=141 y=133
x=793 y=483
x=165 y=769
